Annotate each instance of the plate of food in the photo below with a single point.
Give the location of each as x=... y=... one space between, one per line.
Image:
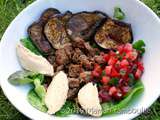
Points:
x=81 y=59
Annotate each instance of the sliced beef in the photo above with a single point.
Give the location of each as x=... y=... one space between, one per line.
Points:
x=99 y=59
x=74 y=70
x=72 y=93
x=76 y=55
x=113 y=33
x=61 y=57
x=55 y=30
x=47 y=14
x=64 y=55
x=74 y=82
x=86 y=63
x=85 y=47
x=85 y=77
x=89 y=50
x=78 y=43
x=69 y=50
x=35 y=32
x=83 y=24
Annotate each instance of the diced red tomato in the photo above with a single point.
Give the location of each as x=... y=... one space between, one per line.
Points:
x=140 y=65
x=97 y=68
x=105 y=80
x=95 y=74
x=138 y=73
x=124 y=63
x=112 y=90
x=106 y=57
x=128 y=47
x=112 y=53
x=117 y=65
x=114 y=73
x=112 y=61
x=108 y=70
x=120 y=48
x=120 y=65
x=131 y=55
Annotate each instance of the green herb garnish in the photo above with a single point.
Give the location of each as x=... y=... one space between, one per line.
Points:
x=139 y=45
x=118 y=13
x=114 y=81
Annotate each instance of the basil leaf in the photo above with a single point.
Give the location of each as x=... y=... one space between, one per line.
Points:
x=68 y=109
x=109 y=108
x=35 y=101
x=139 y=45
x=28 y=44
x=118 y=13
x=22 y=77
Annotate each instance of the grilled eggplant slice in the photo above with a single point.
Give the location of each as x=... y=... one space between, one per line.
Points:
x=113 y=33
x=55 y=30
x=47 y=14
x=82 y=25
x=65 y=17
x=35 y=32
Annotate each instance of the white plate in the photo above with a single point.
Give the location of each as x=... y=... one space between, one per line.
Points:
x=145 y=26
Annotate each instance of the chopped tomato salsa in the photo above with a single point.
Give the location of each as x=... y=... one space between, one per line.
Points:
x=121 y=69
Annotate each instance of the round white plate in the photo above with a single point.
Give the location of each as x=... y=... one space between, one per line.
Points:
x=145 y=26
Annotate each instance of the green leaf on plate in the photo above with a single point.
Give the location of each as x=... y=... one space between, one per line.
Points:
x=139 y=45
x=39 y=89
x=28 y=44
x=118 y=13
x=35 y=101
x=22 y=77
x=68 y=109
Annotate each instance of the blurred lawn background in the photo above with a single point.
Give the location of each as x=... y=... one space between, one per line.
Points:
x=8 y=11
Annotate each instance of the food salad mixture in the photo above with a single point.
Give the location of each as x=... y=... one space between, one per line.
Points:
x=80 y=63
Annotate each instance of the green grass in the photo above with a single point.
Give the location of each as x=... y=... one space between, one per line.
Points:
x=8 y=10
x=154 y=5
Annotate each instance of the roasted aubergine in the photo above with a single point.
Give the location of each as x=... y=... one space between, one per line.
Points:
x=82 y=25
x=55 y=30
x=35 y=32
x=113 y=33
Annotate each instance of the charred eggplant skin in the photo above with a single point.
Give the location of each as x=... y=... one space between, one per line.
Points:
x=64 y=17
x=82 y=25
x=112 y=33
x=35 y=32
x=47 y=14
x=124 y=24
x=55 y=30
